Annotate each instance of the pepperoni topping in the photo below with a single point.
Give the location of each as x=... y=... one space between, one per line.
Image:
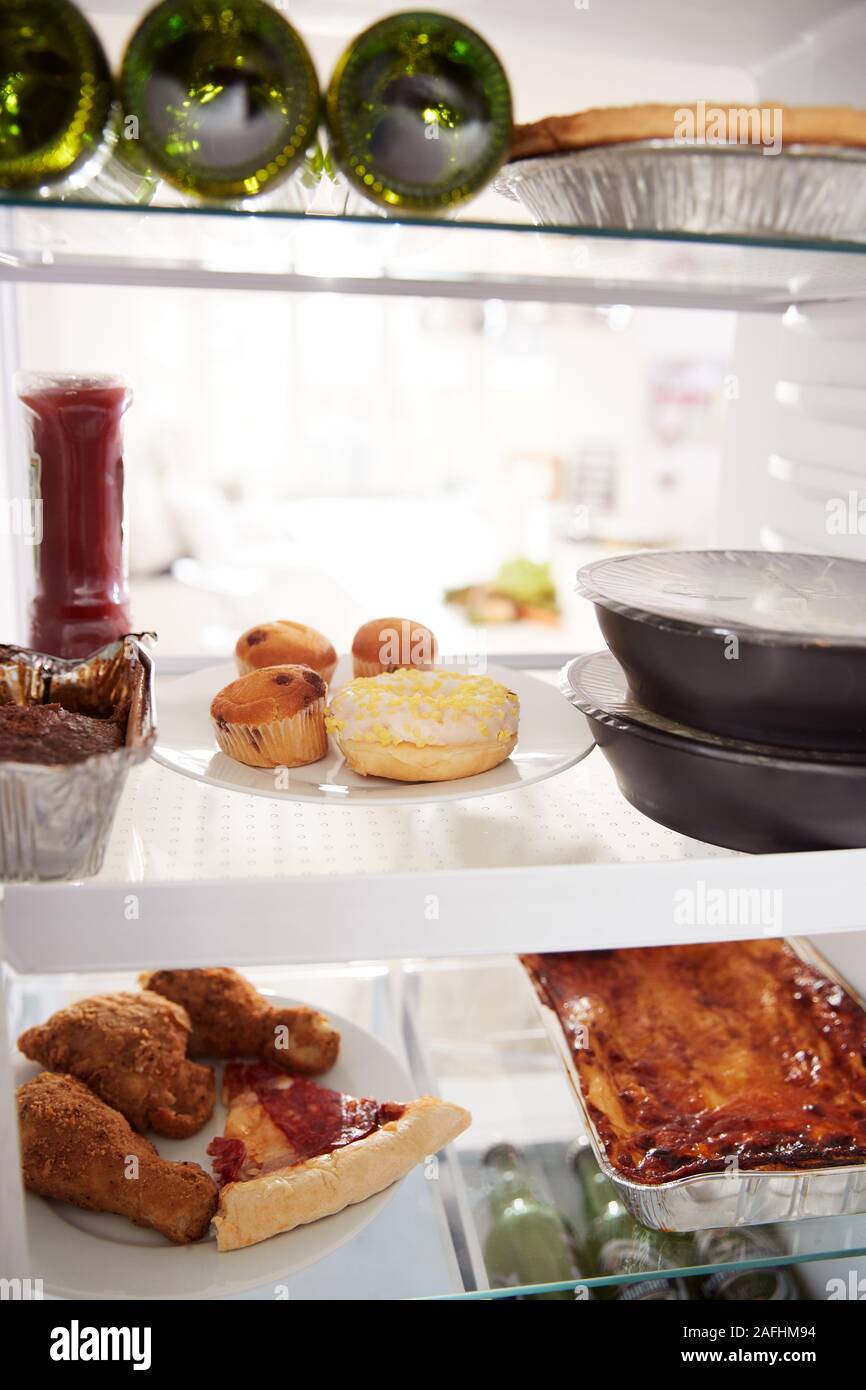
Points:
x=228 y=1157
x=389 y=1112
x=314 y=1119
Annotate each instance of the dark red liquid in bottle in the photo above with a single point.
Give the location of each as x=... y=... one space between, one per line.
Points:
x=81 y=601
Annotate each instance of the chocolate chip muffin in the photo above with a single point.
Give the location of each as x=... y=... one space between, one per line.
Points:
x=284 y=643
x=272 y=718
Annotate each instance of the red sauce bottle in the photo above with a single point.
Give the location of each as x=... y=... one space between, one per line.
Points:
x=81 y=600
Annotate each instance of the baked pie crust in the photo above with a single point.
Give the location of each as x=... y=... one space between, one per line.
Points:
x=842 y=126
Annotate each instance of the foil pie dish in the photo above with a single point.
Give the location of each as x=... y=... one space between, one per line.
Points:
x=55 y=819
x=804 y=192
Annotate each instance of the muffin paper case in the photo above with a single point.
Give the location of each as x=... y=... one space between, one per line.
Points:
x=291 y=742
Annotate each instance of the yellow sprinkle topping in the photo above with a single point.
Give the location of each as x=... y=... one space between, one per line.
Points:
x=420 y=707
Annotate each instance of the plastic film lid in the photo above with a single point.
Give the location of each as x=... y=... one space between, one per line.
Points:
x=765 y=596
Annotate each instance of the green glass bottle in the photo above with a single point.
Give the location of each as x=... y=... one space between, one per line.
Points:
x=224 y=95
x=615 y=1243
x=419 y=112
x=55 y=92
x=528 y=1241
x=777 y=1284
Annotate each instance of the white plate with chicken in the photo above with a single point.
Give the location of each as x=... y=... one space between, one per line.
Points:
x=122 y=1120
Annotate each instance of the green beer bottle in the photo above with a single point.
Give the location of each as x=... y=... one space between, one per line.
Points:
x=528 y=1241
x=55 y=92
x=616 y=1243
x=419 y=112
x=736 y=1285
x=224 y=96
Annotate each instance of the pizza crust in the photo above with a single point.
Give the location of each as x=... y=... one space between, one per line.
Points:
x=844 y=126
x=288 y=1197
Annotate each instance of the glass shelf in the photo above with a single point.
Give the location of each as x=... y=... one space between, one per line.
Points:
x=471 y=1033
x=557 y=866
x=209 y=247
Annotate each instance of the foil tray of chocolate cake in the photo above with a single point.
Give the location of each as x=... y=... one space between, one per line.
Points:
x=69 y=733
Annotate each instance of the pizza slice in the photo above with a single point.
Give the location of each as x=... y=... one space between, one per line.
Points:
x=294 y=1151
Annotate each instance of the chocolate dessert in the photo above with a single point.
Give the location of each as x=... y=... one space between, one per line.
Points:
x=53 y=735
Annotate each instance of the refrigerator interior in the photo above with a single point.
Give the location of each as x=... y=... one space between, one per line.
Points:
x=337 y=454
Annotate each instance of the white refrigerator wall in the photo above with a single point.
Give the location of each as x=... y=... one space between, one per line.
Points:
x=794 y=476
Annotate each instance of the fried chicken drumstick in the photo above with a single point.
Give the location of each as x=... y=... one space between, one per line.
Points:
x=78 y=1150
x=130 y=1049
x=231 y=1019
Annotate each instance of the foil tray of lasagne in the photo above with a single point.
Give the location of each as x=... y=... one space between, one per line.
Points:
x=720 y=1085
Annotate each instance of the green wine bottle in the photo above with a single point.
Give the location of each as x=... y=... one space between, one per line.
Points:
x=419 y=112
x=224 y=95
x=528 y=1241
x=776 y=1284
x=55 y=92
x=616 y=1243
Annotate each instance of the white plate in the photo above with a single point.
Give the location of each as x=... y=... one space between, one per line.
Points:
x=553 y=736
x=84 y=1254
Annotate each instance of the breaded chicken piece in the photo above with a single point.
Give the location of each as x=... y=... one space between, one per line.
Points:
x=231 y=1019
x=131 y=1050
x=78 y=1150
